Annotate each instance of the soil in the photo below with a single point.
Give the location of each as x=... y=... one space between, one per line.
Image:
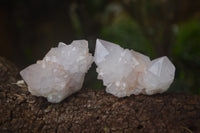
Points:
x=91 y=110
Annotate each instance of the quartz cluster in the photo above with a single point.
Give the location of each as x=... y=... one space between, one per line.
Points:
x=60 y=73
x=125 y=72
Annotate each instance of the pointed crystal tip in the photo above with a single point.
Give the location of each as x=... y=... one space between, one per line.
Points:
x=100 y=51
x=162 y=67
x=61 y=44
x=104 y=48
x=159 y=76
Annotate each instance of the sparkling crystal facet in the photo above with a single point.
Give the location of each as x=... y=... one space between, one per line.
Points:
x=60 y=73
x=125 y=72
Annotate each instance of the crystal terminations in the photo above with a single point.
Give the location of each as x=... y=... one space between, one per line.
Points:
x=125 y=72
x=60 y=73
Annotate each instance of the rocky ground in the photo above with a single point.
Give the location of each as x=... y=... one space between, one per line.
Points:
x=93 y=110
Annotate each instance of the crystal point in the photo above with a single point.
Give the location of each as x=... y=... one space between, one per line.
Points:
x=125 y=72
x=60 y=73
x=101 y=51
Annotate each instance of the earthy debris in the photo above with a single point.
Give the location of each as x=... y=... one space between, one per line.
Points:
x=93 y=110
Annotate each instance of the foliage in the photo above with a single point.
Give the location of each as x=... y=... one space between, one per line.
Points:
x=152 y=27
x=186 y=52
x=125 y=32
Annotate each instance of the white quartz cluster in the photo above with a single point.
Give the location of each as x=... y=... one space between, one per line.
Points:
x=125 y=72
x=60 y=73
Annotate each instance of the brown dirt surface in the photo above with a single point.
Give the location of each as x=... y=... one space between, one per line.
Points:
x=92 y=110
x=8 y=71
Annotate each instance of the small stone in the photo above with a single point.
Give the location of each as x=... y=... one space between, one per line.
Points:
x=60 y=73
x=125 y=72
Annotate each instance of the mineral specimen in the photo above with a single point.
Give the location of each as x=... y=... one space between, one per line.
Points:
x=125 y=72
x=60 y=73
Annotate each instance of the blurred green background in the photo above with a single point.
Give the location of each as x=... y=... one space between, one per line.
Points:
x=29 y=28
